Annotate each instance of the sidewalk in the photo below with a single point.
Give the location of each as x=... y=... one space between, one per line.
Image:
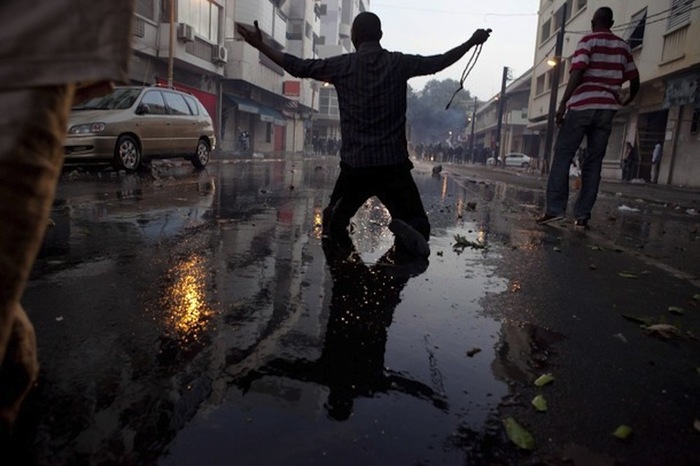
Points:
x=688 y=198
x=674 y=196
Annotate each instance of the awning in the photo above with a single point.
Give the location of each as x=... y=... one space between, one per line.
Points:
x=271 y=115
x=267 y=114
x=244 y=105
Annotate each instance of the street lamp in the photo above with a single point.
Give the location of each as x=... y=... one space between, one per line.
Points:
x=553 y=93
x=507 y=75
x=471 y=140
x=171 y=40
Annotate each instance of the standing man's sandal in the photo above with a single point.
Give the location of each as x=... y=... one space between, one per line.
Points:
x=546 y=219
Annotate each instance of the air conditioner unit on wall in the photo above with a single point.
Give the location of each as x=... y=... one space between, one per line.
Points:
x=185 y=32
x=219 y=54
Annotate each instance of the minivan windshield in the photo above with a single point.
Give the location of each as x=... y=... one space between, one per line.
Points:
x=119 y=99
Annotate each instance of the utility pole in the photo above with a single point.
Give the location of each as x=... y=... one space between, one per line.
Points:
x=501 y=109
x=171 y=57
x=556 y=72
x=471 y=140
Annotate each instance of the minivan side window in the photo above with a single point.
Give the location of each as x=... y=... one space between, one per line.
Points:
x=155 y=103
x=177 y=104
x=192 y=104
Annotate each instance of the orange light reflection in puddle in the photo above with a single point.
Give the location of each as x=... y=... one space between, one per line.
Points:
x=187 y=312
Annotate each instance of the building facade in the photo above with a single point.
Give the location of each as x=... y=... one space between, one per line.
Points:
x=187 y=52
x=665 y=39
x=515 y=134
x=195 y=47
x=336 y=22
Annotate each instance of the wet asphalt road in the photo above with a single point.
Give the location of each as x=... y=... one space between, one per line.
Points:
x=194 y=318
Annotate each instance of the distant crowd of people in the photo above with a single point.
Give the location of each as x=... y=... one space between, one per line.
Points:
x=325 y=146
x=459 y=153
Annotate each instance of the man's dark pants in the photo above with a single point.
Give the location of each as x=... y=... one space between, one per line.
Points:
x=595 y=126
x=392 y=185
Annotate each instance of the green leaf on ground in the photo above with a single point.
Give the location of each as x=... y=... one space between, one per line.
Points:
x=543 y=380
x=539 y=403
x=676 y=310
x=627 y=275
x=623 y=432
x=646 y=321
x=557 y=249
x=696 y=297
x=696 y=425
x=462 y=242
x=518 y=435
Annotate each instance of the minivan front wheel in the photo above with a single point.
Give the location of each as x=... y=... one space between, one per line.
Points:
x=127 y=154
x=201 y=156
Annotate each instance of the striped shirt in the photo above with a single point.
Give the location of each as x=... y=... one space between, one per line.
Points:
x=371 y=86
x=608 y=63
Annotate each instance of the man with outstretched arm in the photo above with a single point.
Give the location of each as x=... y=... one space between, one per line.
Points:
x=371 y=86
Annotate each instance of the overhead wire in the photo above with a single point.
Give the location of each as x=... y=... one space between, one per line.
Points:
x=451 y=12
x=633 y=24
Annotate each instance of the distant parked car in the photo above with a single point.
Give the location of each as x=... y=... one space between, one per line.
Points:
x=136 y=123
x=516 y=159
x=513 y=159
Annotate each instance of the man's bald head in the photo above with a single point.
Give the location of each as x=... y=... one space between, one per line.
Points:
x=366 y=28
x=602 y=18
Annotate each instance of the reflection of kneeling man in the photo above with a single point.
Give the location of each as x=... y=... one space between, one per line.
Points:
x=351 y=364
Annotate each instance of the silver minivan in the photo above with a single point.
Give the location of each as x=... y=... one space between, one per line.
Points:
x=133 y=124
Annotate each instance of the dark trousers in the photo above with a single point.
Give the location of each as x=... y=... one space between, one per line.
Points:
x=595 y=126
x=392 y=185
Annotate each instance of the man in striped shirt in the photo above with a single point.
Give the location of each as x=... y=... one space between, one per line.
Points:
x=601 y=64
x=374 y=159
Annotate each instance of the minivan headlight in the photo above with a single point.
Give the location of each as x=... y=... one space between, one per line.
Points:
x=87 y=128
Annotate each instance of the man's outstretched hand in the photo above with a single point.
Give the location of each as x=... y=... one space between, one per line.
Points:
x=480 y=36
x=253 y=37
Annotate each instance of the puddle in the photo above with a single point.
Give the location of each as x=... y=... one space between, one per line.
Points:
x=243 y=333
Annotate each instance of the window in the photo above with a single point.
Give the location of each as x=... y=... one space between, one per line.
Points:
x=328 y=102
x=268 y=132
x=145 y=8
x=636 y=32
x=695 y=121
x=539 y=86
x=202 y=15
x=294 y=29
x=580 y=4
x=546 y=31
x=549 y=79
x=194 y=110
x=680 y=13
x=564 y=66
x=155 y=103
x=557 y=15
x=177 y=104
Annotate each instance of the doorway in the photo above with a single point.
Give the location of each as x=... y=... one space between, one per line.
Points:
x=651 y=129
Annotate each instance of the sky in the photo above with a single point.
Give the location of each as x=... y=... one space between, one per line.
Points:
x=429 y=27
